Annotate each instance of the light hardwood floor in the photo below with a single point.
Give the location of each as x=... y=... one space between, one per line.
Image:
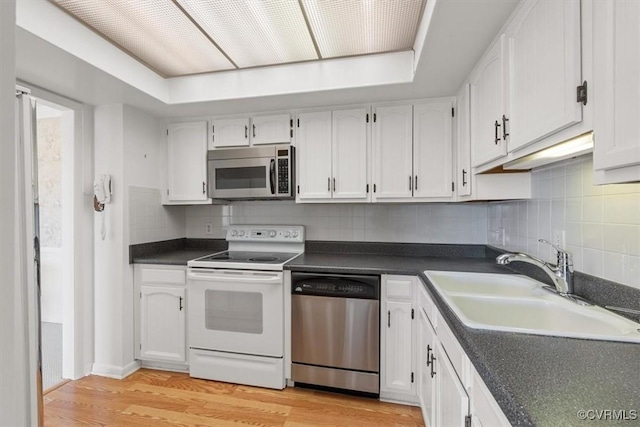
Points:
x=157 y=398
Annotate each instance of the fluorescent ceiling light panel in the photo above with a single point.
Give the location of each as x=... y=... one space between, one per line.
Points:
x=358 y=27
x=155 y=32
x=255 y=32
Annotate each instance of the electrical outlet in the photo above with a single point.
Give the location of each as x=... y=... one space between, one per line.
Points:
x=208 y=228
x=559 y=238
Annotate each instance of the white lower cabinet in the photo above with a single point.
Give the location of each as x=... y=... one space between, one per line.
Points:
x=160 y=313
x=448 y=390
x=397 y=337
x=426 y=373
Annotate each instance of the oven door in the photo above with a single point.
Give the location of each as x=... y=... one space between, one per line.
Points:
x=242 y=178
x=236 y=311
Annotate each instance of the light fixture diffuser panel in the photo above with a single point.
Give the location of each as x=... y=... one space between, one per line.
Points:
x=359 y=27
x=156 y=32
x=255 y=32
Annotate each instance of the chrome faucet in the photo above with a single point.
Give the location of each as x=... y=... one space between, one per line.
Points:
x=561 y=274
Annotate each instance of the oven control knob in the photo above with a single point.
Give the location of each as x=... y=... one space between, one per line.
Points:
x=295 y=234
x=241 y=233
x=287 y=234
x=272 y=233
x=234 y=233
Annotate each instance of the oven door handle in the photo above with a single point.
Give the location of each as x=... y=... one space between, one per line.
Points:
x=217 y=277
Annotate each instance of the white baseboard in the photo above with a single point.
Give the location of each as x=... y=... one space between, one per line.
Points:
x=165 y=366
x=117 y=372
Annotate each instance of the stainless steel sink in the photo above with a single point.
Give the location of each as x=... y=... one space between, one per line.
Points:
x=520 y=304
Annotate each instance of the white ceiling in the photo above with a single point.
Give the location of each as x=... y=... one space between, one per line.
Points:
x=459 y=32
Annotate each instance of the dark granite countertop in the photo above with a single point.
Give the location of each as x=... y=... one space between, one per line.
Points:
x=174 y=252
x=536 y=380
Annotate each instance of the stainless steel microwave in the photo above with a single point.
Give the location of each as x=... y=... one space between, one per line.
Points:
x=252 y=173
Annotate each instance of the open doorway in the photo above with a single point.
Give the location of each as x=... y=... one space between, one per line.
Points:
x=55 y=136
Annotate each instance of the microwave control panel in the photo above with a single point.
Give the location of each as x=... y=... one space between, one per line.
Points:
x=283 y=176
x=285 y=171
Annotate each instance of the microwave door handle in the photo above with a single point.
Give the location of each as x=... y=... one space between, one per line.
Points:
x=272 y=176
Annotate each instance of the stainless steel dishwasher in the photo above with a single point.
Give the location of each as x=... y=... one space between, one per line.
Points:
x=335 y=331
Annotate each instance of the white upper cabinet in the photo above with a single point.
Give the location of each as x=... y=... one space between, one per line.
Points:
x=333 y=156
x=432 y=150
x=463 y=169
x=187 y=162
x=275 y=129
x=230 y=132
x=393 y=152
x=314 y=155
x=544 y=70
x=349 y=154
x=488 y=106
x=616 y=59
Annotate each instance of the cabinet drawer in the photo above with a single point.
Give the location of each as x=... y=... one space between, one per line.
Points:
x=399 y=287
x=159 y=275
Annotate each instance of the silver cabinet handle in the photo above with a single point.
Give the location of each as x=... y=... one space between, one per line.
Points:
x=254 y=131
x=181 y=306
x=433 y=365
x=334 y=185
x=504 y=127
x=388 y=318
x=329 y=184
x=410 y=183
x=415 y=186
x=204 y=187
x=246 y=132
x=464 y=177
x=496 y=126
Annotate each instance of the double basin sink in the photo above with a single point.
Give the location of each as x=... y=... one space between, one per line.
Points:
x=514 y=303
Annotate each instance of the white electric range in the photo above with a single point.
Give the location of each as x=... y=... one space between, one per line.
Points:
x=236 y=306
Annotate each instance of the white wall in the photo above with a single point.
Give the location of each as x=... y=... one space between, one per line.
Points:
x=14 y=403
x=111 y=299
x=602 y=223
x=145 y=152
x=128 y=146
x=420 y=223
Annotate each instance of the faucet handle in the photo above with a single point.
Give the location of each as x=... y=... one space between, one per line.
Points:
x=564 y=256
x=557 y=248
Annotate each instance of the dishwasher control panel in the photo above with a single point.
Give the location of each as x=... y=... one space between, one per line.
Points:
x=340 y=287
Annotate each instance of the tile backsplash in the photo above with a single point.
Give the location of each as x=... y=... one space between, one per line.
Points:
x=601 y=223
x=149 y=221
x=419 y=223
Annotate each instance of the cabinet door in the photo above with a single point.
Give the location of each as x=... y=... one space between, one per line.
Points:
x=397 y=375
x=453 y=401
x=616 y=67
x=230 y=132
x=314 y=155
x=349 y=154
x=162 y=323
x=487 y=107
x=463 y=169
x=393 y=152
x=426 y=382
x=187 y=161
x=432 y=150
x=544 y=70
x=274 y=129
